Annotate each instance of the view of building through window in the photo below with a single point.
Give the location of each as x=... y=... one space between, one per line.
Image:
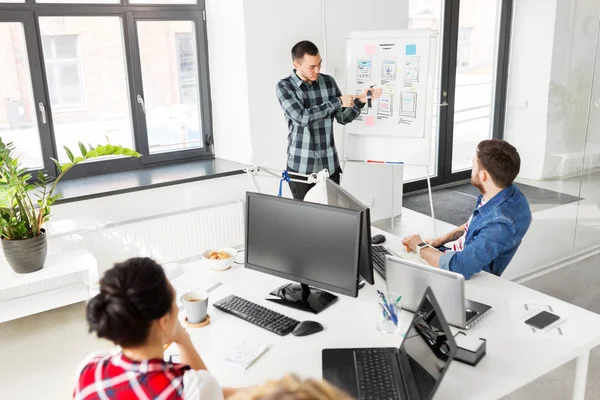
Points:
x=88 y=85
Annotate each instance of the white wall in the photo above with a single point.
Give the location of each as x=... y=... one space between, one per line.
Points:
x=228 y=79
x=268 y=47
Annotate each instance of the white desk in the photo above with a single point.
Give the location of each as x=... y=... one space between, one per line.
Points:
x=513 y=358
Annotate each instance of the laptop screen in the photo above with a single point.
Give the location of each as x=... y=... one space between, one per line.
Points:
x=428 y=348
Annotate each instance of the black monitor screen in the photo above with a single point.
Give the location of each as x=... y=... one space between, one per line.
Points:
x=309 y=243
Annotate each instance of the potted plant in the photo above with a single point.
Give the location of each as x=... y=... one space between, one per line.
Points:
x=21 y=218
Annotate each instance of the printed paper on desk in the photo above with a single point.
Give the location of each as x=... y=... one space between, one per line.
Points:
x=245 y=353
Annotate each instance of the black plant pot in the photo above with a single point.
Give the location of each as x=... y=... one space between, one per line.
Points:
x=26 y=255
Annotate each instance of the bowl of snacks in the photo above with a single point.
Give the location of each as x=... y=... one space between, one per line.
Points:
x=220 y=258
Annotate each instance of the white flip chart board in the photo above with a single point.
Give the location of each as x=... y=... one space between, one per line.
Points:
x=398 y=126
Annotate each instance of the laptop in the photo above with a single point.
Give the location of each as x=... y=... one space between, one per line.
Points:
x=379 y=252
x=412 y=372
x=410 y=280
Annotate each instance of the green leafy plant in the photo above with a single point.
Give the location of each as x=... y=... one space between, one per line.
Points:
x=21 y=217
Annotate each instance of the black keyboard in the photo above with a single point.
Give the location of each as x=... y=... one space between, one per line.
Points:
x=257 y=315
x=378 y=257
x=425 y=382
x=375 y=374
x=470 y=314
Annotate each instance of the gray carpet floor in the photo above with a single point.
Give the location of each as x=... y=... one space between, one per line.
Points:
x=455 y=205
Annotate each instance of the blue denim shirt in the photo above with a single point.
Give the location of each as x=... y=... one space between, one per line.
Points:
x=494 y=235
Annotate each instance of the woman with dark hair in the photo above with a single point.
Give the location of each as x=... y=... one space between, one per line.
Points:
x=136 y=310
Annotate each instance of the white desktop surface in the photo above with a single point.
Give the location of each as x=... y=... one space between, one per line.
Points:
x=514 y=358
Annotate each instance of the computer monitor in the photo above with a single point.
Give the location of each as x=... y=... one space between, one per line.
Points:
x=339 y=197
x=309 y=243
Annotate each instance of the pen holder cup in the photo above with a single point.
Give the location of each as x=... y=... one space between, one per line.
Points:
x=388 y=314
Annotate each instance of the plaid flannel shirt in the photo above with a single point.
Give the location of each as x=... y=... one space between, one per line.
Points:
x=117 y=377
x=309 y=110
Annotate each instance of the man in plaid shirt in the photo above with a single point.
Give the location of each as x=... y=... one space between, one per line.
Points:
x=311 y=101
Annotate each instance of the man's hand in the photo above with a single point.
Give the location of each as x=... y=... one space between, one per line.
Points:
x=437 y=242
x=411 y=242
x=375 y=94
x=347 y=100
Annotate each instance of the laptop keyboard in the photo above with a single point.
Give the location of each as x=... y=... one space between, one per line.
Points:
x=470 y=314
x=425 y=382
x=378 y=257
x=375 y=375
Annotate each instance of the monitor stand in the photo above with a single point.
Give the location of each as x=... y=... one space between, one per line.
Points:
x=302 y=297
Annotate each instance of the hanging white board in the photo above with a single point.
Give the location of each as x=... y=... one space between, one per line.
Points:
x=398 y=126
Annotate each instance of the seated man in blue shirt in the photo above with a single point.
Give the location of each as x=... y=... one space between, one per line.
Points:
x=489 y=240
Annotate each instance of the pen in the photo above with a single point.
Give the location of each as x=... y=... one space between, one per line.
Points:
x=389 y=308
x=385 y=313
x=397 y=300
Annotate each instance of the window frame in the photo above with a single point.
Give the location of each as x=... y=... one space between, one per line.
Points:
x=29 y=12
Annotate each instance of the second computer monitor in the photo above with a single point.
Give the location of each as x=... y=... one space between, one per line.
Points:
x=309 y=243
x=339 y=197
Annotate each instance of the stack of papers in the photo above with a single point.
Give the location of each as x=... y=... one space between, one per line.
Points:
x=244 y=354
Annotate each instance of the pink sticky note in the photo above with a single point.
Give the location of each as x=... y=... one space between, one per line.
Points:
x=370 y=120
x=370 y=49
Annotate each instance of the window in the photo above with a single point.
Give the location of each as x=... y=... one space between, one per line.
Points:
x=122 y=74
x=61 y=57
x=94 y=49
x=463 y=54
x=170 y=79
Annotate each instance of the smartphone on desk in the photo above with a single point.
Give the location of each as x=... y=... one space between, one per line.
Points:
x=542 y=320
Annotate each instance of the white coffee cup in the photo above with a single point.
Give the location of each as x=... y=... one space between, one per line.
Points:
x=195 y=304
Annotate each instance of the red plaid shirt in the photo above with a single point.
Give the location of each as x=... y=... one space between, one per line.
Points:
x=117 y=377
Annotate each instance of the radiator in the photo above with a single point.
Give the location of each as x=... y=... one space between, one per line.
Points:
x=167 y=237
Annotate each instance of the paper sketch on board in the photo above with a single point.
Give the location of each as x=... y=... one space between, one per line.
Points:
x=384 y=107
x=408 y=104
x=364 y=69
x=411 y=70
x=388 y=69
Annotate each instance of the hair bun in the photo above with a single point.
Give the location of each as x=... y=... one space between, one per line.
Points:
x=96 y=312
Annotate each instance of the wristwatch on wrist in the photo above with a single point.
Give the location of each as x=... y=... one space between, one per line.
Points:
x=421 y=246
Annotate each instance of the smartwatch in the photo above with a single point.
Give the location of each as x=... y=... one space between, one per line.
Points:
x=421 y=246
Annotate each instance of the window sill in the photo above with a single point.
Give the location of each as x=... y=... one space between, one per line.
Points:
x=91 y=187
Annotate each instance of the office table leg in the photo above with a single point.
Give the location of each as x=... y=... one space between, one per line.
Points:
x=581 y=371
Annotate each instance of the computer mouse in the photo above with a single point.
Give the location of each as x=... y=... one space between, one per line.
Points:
x=306 y=328
x=377 y=239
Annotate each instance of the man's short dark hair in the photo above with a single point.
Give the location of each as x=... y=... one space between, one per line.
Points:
x=302 y=48
x=500 y=159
